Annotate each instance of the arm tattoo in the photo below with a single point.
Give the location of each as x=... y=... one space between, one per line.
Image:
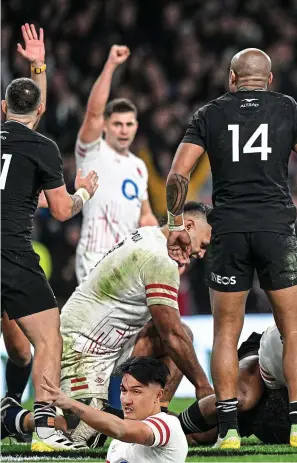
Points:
x=176 y=193
x=150 y=440
x=77 y=412
x=77 y=204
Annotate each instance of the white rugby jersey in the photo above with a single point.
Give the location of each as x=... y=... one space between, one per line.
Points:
x=271 y=358
x=170 y=444
x=114 y=211
x=112 y=303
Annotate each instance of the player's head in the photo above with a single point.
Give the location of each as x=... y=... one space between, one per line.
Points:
x=23 y=101
x=250 y=68
x=120 y=124
x=195 y=218
x=143 y=382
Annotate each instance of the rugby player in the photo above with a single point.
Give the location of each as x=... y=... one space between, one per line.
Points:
x=30 y=163
x=248 y=134
x=134 y=283
x=263 y=411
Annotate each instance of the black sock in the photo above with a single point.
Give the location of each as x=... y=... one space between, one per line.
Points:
x=293 y=412
x=13 y=419
x=192 y=420
x=164 y=409
x=227 y=415
x=16 y=379
x=44 y=419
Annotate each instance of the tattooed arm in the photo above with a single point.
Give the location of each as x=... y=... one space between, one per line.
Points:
x=179 y=243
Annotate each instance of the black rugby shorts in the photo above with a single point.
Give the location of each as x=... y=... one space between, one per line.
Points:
x=24 y=287
x=232 y=259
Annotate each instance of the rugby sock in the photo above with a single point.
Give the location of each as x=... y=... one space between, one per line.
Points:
x=227 y=415
x=293 y=412
x=14 y=418
x=192 y=420
x=44 y=419
x=16 y=379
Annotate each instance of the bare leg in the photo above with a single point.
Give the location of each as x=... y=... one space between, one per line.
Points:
x=16 y=343
x=284 y=305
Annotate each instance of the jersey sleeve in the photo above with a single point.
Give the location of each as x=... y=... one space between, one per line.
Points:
x=196 y=132
x=85 y=152
x=51 y=167
x=161 y=430
x=161 y=279
x=142 y=170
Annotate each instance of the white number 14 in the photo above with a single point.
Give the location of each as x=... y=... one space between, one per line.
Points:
x=264 y=149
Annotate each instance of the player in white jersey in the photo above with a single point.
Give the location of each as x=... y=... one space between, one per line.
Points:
x=145 y=434
x=101 y=322
x=271 y=358
x=122 y=204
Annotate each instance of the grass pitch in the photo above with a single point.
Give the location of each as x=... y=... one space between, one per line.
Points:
x=252 y=450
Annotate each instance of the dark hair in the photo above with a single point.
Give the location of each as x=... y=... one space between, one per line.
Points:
x=198 y=208
x=22 y=96
x=119 y=105
x=146 y=370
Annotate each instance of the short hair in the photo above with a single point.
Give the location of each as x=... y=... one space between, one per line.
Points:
x=194 y=207
x=22 y=96
x=146 y=370
x=119 y=105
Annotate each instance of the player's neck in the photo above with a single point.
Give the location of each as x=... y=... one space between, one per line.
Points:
x=249 y=86
x=21 y=120
x=121 y=153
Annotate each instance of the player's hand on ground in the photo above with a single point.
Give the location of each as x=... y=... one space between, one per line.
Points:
x=118 y=54
x=179 y=246
x=34 y=50
x=204 y=391
x=90 y=182
x=57 y=397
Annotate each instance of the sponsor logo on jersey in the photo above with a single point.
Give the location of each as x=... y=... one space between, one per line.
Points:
x=99 y=380
x=249 y=103
x=130 y=189
x=223 y=280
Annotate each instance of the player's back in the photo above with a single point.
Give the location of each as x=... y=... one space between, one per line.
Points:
x=24 y=169
x=249 y=136
x=170 y=445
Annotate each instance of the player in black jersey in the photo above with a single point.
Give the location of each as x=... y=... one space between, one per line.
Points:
x=248 y=134
x=31 y=163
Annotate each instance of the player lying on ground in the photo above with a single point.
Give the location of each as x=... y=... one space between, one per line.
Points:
x=146 y=434
x=249 y=134
x=32 y=162
x=262 y=396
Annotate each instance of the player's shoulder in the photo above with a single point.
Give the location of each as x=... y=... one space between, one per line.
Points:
x=137 y=161
x=212 y=105
x=169 y=428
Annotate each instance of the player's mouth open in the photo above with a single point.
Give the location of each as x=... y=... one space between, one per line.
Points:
x=128 y=410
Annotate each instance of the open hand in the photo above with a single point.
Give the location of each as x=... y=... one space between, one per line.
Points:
x=179 y=246
x=90 y=182
x=34 y=50
x=58 y=398
x=118 y=54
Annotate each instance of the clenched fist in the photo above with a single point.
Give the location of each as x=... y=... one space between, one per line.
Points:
x=118 y=54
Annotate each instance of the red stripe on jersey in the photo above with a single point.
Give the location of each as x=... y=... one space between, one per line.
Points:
x=156 y=285
x=167 y=430
x=81 y=148
x=78 y=380
x=80 y=153
x=163 y=295
x=158 y=428
x=77 y=388
x=266 y=375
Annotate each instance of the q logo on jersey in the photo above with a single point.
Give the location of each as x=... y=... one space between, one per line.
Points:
x=130 y=189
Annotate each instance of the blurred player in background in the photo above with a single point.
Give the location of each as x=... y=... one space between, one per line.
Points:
x=30 y=163
x=249 y=134
x=122 y=205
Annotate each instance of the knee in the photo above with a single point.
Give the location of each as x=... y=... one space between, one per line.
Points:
x=21 y=358
x=188 y=331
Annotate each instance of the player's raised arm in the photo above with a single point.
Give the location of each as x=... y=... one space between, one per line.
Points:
x=92 y=125
x=186 y=158
x=34 y=52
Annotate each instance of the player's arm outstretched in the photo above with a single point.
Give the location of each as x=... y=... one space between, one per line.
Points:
x=92 y=125
x=186 y=158
x=125 y=430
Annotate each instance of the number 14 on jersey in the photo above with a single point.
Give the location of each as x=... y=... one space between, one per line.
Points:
x=248 y=148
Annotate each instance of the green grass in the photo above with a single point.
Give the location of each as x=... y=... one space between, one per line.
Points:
x=252 y=450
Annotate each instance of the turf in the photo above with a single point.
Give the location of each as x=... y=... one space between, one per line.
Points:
x=251 y=450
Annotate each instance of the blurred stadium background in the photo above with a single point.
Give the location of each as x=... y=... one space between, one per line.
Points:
x=180 y=54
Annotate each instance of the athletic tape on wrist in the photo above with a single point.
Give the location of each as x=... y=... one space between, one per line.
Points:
x=83 y=194
x=171 y=221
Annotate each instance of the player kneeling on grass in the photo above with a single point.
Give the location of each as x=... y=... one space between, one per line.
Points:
x=145 y=434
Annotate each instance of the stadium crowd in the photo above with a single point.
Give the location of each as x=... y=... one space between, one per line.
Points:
x=180 y=52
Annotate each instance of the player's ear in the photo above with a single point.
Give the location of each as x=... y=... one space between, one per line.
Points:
x=160 y=394
x=4 y=106
x=232 y=77
x=40 y=109
x=270 y=78
x=189 y=224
